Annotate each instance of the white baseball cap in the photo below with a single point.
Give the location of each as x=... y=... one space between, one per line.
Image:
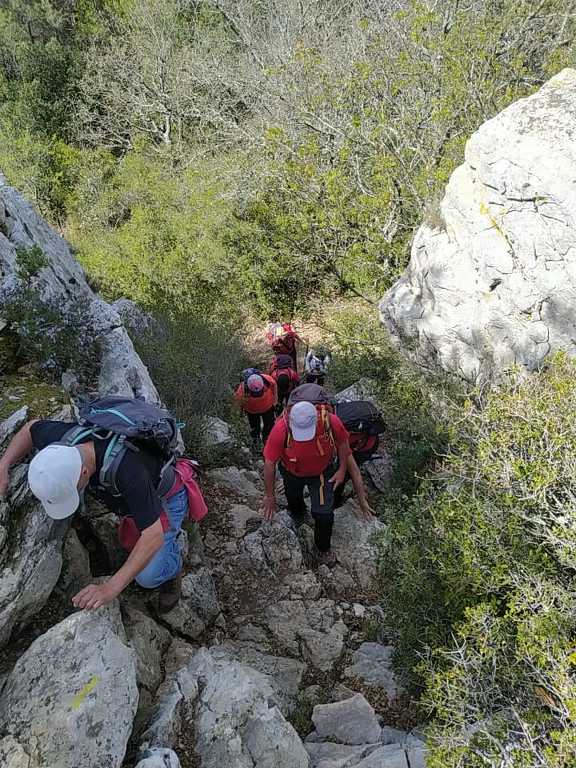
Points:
x=53 y=477
x=303 y=417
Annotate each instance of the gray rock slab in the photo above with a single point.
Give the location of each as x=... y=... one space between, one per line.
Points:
x=12 y=424
x=372 y=663
x=63 y=703
x=159 y=758
x=491 y=282
x=198 y=607
x=389 y=756
x=75 y=573
x=240 y=514
x=150 y=641
x=352 y=721
x=353 y=544
x=62 y=280
x=340 y=754
x=236 y=725
x=285 y=674
x=311 y=630
x=243 y=482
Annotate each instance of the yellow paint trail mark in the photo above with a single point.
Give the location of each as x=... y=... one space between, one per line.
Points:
x=88 y=688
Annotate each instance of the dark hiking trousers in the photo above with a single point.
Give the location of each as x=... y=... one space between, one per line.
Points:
x=360 y=457
x=283 y=395
x=311 y=378
x=321 y=502
x=261 y=424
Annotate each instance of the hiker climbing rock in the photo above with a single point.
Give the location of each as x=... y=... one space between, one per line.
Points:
x=364 y=424
x=286 y=377
x=312 y=446
x=283 y=339
x=316 y=366
x=124 y=452
x=257 y=396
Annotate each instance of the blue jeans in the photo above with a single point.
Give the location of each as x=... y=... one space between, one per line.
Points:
x=167 y=562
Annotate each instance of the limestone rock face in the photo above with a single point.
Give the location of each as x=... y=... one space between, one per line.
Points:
x=62 y=705
x=237 y=725
x=63 y=280
x=30 y=547
x=493 y=282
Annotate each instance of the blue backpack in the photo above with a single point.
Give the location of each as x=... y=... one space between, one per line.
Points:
x=132 y=425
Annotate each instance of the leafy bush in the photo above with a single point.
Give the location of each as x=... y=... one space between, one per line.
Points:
x=54 y=336
x=480 y=570
x=193 y=362
x=409 y=399
x=154 y=234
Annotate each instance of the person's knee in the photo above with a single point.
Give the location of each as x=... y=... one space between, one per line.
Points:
x=149 y=579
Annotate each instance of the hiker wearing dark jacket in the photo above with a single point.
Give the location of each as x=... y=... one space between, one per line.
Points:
x=57 y=476
x=309 y=442
x=284 y=374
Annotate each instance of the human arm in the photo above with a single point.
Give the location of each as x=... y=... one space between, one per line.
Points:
x=19 y=447
x=95 y=595
x=269 y=505
x=356 y=476
x=339 y=476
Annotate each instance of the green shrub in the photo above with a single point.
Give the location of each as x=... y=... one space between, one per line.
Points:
x=57 y=337
x=480 y=570
x=194 y=362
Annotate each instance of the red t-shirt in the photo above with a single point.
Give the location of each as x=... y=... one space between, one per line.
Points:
x=308 y=458
x=260 y=404
x=362 y=442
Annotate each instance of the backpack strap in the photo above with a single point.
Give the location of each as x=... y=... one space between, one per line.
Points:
x=115 y=452
x=75 y=434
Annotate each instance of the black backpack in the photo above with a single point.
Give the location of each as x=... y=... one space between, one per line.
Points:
x=133 y=425
x=360 y=416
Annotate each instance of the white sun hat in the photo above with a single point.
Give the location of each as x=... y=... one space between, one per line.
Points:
x=53 y=477
x=303 y=417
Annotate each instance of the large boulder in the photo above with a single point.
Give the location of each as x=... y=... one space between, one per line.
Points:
x=237 y=723
x=492 y=281
x=199 y=606
x=30 y=547
x=71 y=698
x=311 y=629
x=63 y=280
x=352 y=721
x=372 y=664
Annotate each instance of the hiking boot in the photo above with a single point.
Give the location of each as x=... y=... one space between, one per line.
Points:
x=169 y=594
x=327 y=558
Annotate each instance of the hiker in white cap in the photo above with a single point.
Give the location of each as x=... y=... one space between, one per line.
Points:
x=312 y=446
x=147 y=493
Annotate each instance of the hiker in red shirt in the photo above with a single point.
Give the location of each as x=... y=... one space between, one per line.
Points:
x=283 y=338
x=284 y=374
x=257 y=396
x=310 y=442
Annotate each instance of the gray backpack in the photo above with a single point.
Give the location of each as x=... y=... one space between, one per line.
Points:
x=309 y=393
x=132 y=425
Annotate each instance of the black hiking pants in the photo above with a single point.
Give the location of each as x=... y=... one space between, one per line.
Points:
x=311 y=378
x=261 y=424
x=283 y=395
x=321 y=502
